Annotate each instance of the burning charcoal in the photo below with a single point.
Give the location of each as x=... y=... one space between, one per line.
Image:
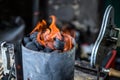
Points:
x=26 y=40
x=32 y=46
x=33 y=35
x=46 y=49
x=58 y=44
x=39 y=46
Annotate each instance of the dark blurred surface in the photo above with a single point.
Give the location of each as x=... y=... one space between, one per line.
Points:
x=21 y=8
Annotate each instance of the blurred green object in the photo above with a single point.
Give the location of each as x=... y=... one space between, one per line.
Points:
x=116 y=5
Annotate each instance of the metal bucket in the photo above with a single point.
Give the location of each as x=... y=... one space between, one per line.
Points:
x=48 y=66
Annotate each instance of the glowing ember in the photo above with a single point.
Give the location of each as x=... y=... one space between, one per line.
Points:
x=47 y=34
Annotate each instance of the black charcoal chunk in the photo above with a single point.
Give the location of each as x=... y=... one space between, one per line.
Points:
x=26 y=40
x=33 y=35
x=39 y=46
x=47 y=49
x=32 y=46
x=58 y=44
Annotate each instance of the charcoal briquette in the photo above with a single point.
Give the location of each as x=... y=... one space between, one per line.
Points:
x=39 y=46
x=33 y=35
x=26 y=40
x=32 y=46
x=59 y=44
x=46 y=49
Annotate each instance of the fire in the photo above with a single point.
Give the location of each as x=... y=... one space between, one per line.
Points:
x=47 y=34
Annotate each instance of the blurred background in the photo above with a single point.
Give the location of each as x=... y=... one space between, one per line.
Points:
x=84 y=14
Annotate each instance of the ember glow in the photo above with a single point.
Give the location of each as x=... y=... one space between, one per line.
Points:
x=48 y=33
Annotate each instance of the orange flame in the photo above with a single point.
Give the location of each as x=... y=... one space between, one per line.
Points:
x=47 y=35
